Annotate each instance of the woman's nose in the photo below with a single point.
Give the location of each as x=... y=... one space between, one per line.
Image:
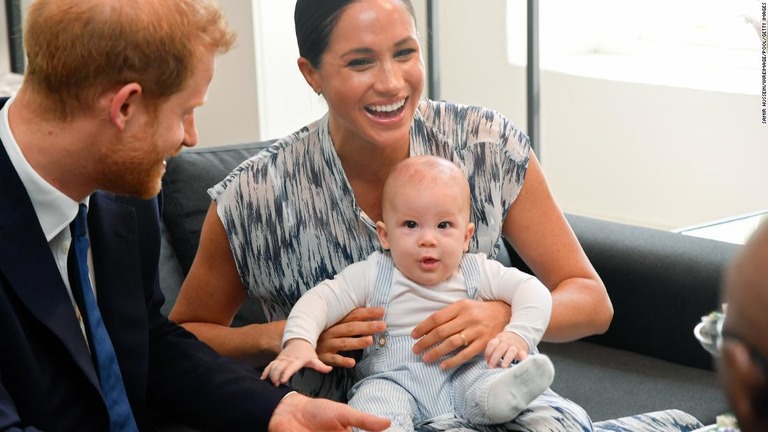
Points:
x=389 y=79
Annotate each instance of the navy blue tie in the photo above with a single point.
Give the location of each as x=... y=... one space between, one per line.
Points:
x=112 y=387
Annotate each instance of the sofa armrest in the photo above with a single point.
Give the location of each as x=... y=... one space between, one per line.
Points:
x=661 y=283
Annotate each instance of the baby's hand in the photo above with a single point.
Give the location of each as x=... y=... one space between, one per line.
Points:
x=296 y=354
x=505 y=348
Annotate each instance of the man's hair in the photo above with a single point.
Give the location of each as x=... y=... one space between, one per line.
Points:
x=78 y=49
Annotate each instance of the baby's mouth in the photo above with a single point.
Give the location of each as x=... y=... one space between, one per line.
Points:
x=429 y=261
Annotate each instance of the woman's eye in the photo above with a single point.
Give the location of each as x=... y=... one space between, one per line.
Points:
x=405 y=52
x=359 y=62
x=411 y=224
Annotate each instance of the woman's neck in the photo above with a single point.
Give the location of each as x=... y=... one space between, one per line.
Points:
x=366 y=167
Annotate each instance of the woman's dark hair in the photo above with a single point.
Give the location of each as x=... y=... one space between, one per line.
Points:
x=315 y=21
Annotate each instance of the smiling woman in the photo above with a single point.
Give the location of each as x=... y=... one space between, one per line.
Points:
x=311 y=203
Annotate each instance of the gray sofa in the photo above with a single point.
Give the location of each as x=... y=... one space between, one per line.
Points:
x=660 y=282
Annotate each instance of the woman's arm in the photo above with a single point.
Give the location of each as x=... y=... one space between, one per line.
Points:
x=213 y=292
x=539 y=232
x=211 y=295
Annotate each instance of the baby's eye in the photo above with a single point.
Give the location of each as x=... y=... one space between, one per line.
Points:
x=444 y=225
x=411 y=224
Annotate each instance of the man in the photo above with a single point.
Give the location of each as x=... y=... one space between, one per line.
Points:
x=109 y=95
x=743 y=363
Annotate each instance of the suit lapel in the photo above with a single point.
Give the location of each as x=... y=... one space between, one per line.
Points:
x=116 y=258
x=27 y=263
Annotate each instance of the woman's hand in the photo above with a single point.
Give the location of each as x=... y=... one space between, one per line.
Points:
x=470 y=324
x=354 y=332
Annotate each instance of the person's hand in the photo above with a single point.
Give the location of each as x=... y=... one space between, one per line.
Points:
x=354 y=332
x=505 y=348
x=467 y=325
x=298 y=353
x=297 y=412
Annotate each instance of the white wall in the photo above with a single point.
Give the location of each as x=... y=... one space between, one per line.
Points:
x=652 y=155
x=231 y=112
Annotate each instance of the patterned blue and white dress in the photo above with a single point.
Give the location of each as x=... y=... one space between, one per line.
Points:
x=292 y=220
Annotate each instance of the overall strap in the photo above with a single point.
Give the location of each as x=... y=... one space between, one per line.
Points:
x=384 y=273
x=470 y=269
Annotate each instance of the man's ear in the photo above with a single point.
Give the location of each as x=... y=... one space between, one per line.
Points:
x=310 y=74
x=744 y=381
x=124 y=103
x=381 y=231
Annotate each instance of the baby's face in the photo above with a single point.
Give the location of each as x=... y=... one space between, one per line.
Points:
x=427 y=232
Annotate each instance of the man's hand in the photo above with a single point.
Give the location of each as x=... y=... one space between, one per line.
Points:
x=467 y=325
x=297 y=412
x=353 y=332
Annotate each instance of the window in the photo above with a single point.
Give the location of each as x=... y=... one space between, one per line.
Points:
x=705 y=44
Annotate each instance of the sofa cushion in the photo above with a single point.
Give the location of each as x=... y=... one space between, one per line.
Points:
x=631 y=384
x=660 y=282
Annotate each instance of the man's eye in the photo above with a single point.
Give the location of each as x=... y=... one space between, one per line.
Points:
x=444 y=225
x=411 y=224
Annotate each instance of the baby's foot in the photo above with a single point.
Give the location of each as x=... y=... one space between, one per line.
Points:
x=513 y=390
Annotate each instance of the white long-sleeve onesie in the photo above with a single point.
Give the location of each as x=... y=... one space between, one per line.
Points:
x=410 y=303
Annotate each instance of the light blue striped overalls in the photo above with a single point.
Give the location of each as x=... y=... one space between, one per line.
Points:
x=393 y=382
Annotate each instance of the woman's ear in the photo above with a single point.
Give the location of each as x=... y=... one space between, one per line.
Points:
x=381 y=231
x=310 y=74
x=124 y=103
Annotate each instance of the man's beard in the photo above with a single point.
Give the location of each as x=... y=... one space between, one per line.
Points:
x=134 y=167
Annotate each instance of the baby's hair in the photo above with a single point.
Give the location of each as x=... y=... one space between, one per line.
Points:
x=425 y=172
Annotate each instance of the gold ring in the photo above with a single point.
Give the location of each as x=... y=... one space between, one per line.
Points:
x=464 y=338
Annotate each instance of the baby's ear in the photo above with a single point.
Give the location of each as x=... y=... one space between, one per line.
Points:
x=468 y=235
x=381 y=231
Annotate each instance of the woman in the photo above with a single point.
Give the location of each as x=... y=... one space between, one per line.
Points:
x=299 y=213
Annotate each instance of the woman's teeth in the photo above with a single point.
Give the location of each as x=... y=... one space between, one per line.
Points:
x=387 y=108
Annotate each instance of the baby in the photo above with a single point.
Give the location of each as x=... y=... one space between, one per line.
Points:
x=425 y=233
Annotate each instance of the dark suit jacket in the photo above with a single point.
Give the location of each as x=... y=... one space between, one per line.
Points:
x=47 y=379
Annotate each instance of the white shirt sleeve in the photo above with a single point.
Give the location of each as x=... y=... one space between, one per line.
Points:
x=530 y=300
x=331 y=300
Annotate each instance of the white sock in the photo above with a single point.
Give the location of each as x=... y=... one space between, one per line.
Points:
x=512 y=391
